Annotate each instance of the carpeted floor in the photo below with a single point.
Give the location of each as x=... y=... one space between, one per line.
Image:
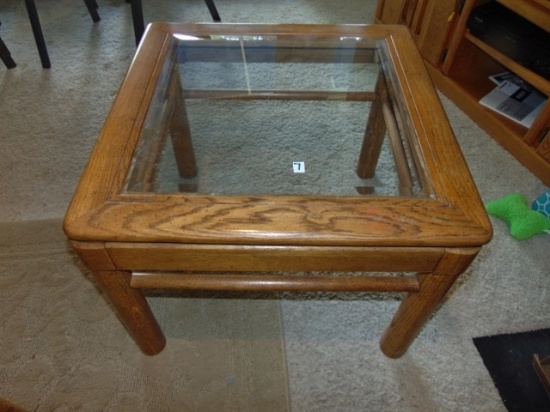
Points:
x=61 y=347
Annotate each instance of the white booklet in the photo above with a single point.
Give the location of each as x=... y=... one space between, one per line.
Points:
x=514 y=99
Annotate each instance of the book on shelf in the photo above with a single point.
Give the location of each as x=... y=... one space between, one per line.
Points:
x=514 y=98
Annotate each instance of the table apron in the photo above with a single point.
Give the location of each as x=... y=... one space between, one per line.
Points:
x=240 y=258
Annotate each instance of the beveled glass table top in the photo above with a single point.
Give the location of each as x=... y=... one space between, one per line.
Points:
x=311 y=135
x=275 y=115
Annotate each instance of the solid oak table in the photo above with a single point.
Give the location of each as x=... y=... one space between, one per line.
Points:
x=277 y=157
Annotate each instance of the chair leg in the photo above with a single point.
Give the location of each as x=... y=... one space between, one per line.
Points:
x=137 y=18
x=139 y=25
x=213 y=10
x=5 y=55
x=92 y=9
x=38 y=35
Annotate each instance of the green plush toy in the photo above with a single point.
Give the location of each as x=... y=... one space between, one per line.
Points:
x=523 y=221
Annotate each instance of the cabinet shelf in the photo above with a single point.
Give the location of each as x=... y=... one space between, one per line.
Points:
x=536 y=11
x=463 y=75
x=472 y=90
x=508 y=134
x=533 y=79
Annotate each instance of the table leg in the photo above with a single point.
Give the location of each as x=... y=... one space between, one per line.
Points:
x=180 y=131
x=132 y=309
x=417 y=307
x=374 y=133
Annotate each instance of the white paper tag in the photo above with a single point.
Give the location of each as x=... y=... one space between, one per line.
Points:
x=299 y=167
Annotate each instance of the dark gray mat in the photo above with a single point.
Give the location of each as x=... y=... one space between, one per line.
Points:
x=509 y=360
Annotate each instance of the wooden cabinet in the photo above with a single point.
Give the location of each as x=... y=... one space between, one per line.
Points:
x=460 y=65
x=427 y=19
x=543 y=149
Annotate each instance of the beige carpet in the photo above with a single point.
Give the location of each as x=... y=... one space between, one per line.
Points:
x=62 y=348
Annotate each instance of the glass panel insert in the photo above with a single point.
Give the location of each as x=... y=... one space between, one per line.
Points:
x=283 y=115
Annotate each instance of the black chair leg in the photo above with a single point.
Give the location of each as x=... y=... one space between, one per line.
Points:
x=139 y=24
x=5 y=55
x=213 y=10
x=38 y=35
x=92 y=9
x=137 y=18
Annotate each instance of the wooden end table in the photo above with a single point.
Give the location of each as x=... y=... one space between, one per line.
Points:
x=233 y=153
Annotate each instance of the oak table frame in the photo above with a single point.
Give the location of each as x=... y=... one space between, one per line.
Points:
x=135 y=241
